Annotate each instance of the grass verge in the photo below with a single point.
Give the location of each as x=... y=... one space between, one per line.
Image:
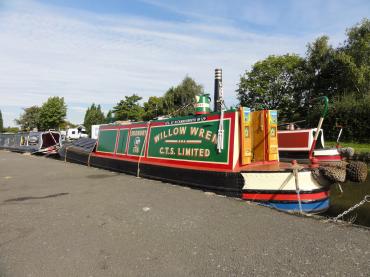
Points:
x=359 y=147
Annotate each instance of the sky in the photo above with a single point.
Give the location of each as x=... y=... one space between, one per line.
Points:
x=100 y=51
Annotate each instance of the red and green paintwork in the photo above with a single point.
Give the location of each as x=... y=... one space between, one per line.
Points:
x=184 y=150
x=187 y=141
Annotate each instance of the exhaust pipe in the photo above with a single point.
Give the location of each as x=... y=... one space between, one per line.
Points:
x=218 y=90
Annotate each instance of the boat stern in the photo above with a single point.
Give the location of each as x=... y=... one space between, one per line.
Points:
x=286 y=191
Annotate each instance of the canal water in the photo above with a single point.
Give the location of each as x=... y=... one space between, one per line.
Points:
x=352 y=194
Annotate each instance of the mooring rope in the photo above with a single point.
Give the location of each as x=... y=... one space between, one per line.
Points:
x=88 y=158
x=65 y=157
x=296 y=169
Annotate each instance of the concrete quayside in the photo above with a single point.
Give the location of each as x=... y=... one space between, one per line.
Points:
x=63 y=219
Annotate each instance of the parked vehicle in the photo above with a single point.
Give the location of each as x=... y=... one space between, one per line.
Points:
x=95 y=131
x=76 y=133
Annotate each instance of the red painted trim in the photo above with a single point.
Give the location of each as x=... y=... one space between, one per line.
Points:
x=232 y=139
x=176 y=164
x=173 y=163
x=117 y=140
x=286 y=197
x=294 y=139
x=328 y=158
x=128 y=126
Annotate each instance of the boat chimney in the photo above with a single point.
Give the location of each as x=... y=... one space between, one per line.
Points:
x=218 y=90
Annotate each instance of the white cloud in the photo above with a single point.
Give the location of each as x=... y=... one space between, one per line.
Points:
x=86 y=57
x=79 y=109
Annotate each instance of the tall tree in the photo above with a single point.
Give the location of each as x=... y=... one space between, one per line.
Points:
x=129 y=109
x=323 y=68
x=355 y=59
x=110 y=117
x=178 y=100
x=93 y=115
x=53 y=113
x=30 y=118
x=336 y=72
x=153 y=108
x=273 y=83
x=1 y=122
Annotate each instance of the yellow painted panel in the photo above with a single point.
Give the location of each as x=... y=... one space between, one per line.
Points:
x=246 y=135
x=259 y=141
x=273 y=153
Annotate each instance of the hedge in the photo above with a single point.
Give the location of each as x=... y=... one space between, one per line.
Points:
x=350 y=112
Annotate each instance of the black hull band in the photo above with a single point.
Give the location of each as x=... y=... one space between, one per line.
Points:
x=229 y=183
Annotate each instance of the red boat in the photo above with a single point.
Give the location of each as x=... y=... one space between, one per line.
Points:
x=297 y=144
x=307 y=145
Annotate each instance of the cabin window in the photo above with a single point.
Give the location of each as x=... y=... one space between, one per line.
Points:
x=23 y=140
x=33 y=140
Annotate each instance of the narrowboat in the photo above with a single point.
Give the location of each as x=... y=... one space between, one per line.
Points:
x=46 y=142
x=295 y=144
x=306 y=145
x=231 y=151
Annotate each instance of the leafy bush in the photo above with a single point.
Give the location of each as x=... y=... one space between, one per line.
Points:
x=352 y=113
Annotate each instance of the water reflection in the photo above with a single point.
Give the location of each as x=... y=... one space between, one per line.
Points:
x=352 y=194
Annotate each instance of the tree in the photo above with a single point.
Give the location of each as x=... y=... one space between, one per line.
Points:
x=129 y=109
x=93 y=115
x=30 y=118
x=178 y=100
x=336 y=72
x=327 y=70
x=1 y=122
x=319 y=68
x=274 y=83
x=153 y=108
x=289 y=83
x=53 y=113
x=110 y=117
x=355 y=59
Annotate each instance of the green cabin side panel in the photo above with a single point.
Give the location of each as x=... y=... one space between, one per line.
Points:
x=107 y=141
x=189 y=142
x=122 y=142
x=137 y=139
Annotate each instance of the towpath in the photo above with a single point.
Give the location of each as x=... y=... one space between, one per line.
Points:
x=60 y=219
